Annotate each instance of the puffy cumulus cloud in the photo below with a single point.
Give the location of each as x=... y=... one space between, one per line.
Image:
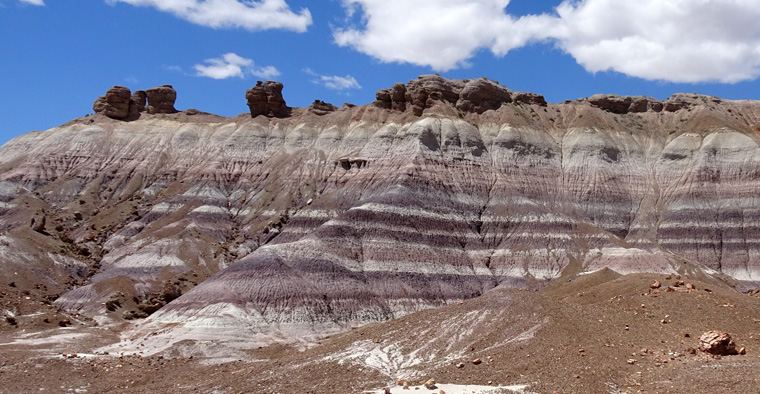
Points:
x=232 y=65
x=442 y=34
x=334 y=82
x=251 y=15
x=674 y=40
x=34 y=2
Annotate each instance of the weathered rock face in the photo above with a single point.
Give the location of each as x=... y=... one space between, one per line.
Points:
x=480 y=95
x=308 y=224
x=161 y=99
x=625 y=104
x=529 y=98
x=476 y=95
x=99 y=105
x=636 y=104
x=121 y=104
x=117 y=102
x=266 y=99
x=139 y=99
x=319 y=107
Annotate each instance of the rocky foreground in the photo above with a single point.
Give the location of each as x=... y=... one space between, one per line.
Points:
x=285 y=224
x=591 y=333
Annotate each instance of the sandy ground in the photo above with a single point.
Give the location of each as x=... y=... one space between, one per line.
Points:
x=598 y=333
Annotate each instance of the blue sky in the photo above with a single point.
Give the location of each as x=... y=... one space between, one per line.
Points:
x=58 y=56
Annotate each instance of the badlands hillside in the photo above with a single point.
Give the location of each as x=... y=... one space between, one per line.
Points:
x=189 y=233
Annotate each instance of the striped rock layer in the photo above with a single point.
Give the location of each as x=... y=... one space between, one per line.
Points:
x=310 y=224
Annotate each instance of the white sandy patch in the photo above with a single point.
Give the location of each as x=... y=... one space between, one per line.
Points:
x=460 y=389
x=210 y=209
x=53 y=339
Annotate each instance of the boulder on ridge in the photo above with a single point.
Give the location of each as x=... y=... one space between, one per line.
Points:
x=266 y=99
x=161 y=99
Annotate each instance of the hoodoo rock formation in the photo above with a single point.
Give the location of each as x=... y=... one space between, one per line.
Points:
x=266 y=99
x=293 y=225
x=121 y=104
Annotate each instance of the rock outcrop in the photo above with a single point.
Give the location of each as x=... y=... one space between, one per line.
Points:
x=476 y=95
x=117 y=100
x=625 y=104
x=139 y=100
x=121 y=104
x=321 y=108
x=266 y=99
x=638 y=104
x=161 y=99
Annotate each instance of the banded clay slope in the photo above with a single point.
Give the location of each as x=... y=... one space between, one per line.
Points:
x=330 y=217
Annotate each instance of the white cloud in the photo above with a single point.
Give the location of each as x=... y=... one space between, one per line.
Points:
x=674 y=40
x=34 y=2
x=232 y=65
x=442 y=34
x=334 y=82
x=247 y=14
x=339 y=83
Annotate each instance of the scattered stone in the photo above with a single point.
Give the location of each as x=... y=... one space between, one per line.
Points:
x=386 y=390
x=430 y=384
x=655 y=285
x=460 y=365
x=631 y=361
x=742 y=351
x=64 y=323
x=690 y=286
x=718 y=343
x=11 y=320
x=477 y=361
